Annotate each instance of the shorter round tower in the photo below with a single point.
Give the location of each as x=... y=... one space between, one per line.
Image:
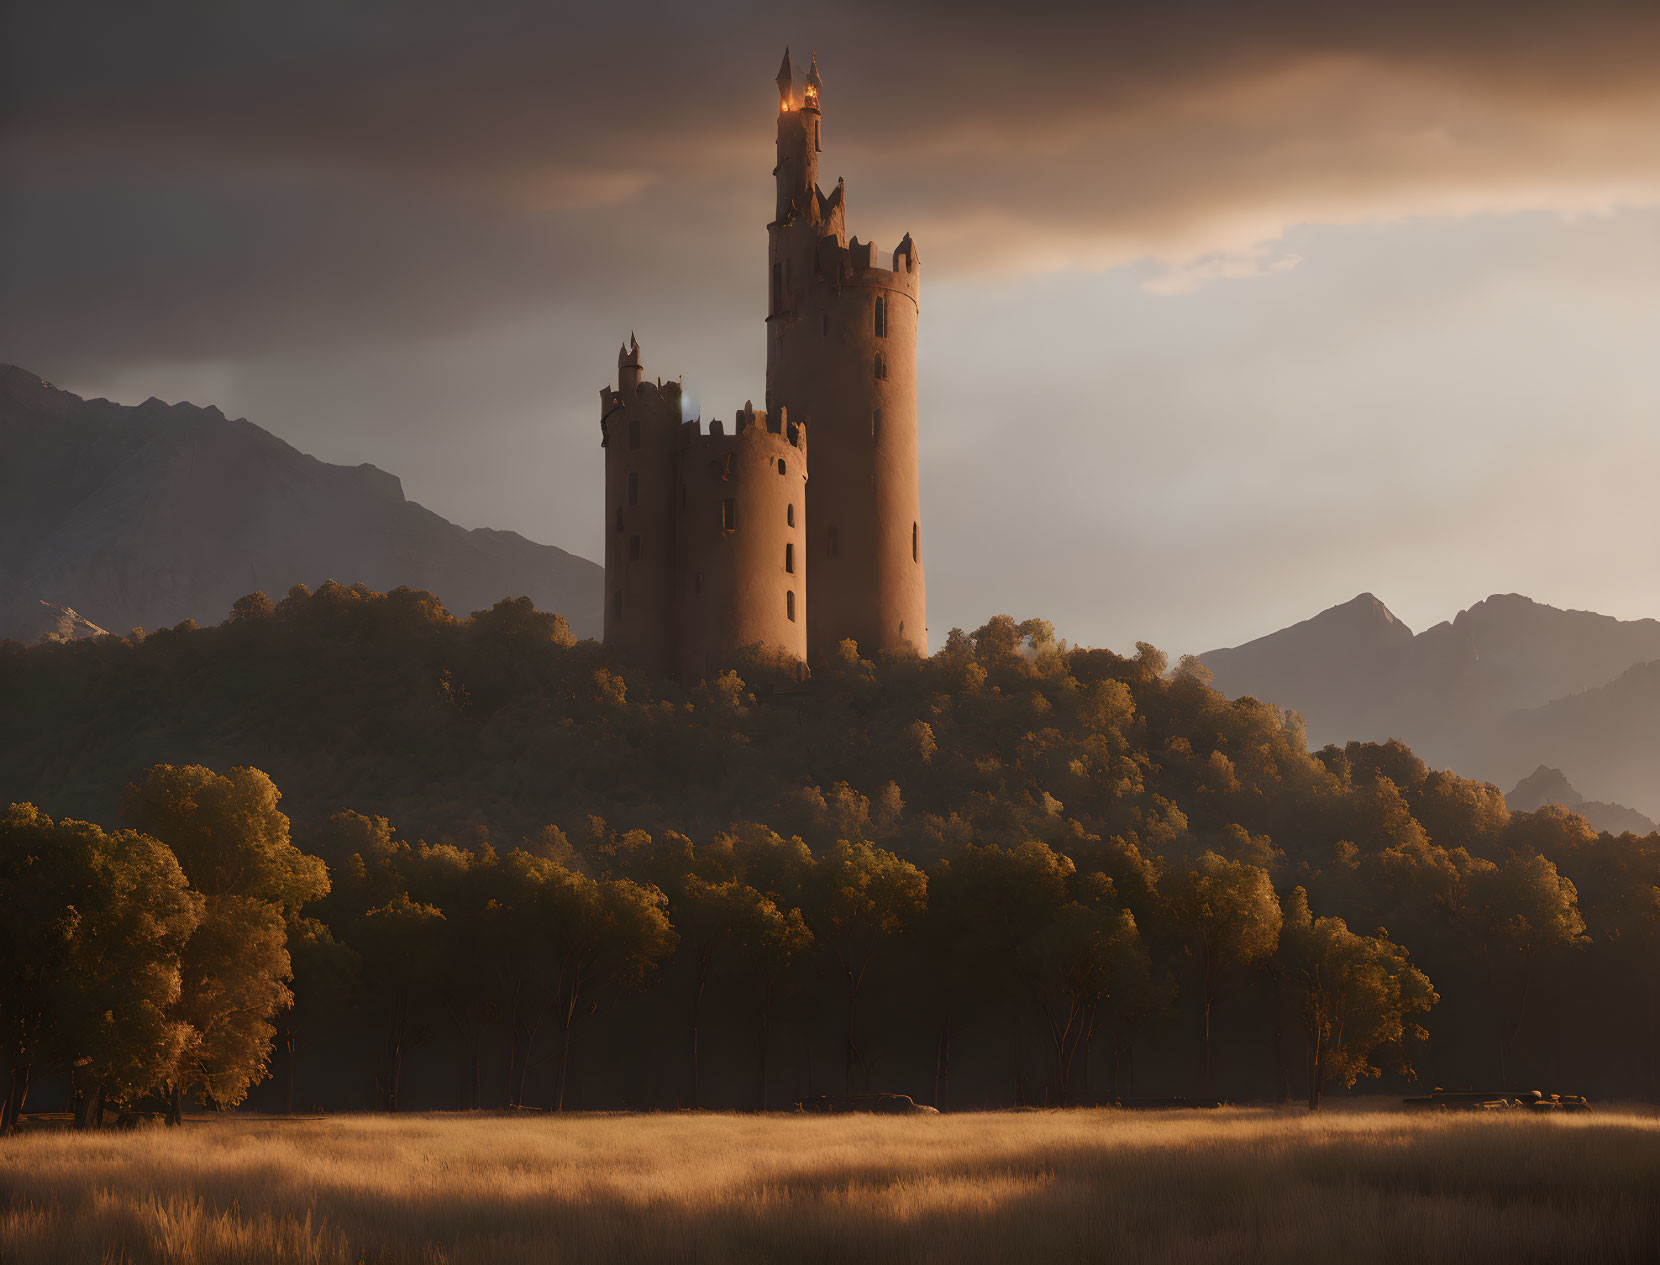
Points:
x=741 y=578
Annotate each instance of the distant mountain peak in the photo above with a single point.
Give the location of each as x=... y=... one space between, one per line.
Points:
x=1544 y=785
x=1368 y=606
x=64 y=623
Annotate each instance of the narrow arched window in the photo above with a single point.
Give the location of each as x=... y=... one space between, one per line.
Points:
x=789 y=515
x=729 y=514
x=876 y=426
x=916 y=543
x=881 y=316
x=789 y=605
x=780 y=465
x=881 y=367
x=789 y=559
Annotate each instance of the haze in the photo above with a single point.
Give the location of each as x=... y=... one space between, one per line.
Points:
x=1228 y=314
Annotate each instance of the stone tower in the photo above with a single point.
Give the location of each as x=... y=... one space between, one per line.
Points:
x=710 y=537
x=705 y=544
x=841 y=354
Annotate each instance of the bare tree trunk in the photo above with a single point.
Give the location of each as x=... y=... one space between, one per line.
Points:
x=1316 y=1072
x=942 y=1068
x=88 y=1106
x=1208 y=984
x=394 y=1075
x=513 y=1048
x=854 y=980
x=1516 y=1028
x=524 y=1062
x=175 y=1103
x=697 y=1023
x=1088 y=1044
x=567 y=1020
x=289 y=1041
x=478 y=1057
x=17 y=1093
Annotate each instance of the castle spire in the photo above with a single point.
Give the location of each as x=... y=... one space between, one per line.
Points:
x=628 y=367
x=809 y=98
x=786 y=78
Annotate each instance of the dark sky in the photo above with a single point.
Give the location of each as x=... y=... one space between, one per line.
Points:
x=1230 y=310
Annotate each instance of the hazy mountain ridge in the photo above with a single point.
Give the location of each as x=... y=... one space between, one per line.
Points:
x=1546 y=785
x=142 y=516
x=1508 y=685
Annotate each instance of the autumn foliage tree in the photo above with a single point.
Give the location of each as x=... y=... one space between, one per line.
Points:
x=605 y=887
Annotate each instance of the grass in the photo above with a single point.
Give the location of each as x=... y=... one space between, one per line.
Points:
x=1240 y=1184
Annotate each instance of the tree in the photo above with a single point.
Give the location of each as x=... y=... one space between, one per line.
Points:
x=1076 y=960
x=325 y=972
x=233 y=843
x=986 y=906
x=772 y=944
x=1354 y=994
x=586 y=935
x=89 y=957
x=1522 y=910
x=862 y=898
x=461 y=883
x=1233 y=915
x=708 y=917
x=403 y=943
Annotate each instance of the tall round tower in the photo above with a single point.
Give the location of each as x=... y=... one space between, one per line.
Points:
x=841 y=355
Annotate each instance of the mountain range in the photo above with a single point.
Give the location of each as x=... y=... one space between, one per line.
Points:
x=1507 y=686
x=147 y=515
x=115 y=517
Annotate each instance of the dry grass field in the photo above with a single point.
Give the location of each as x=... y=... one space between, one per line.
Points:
x=1233 y=1185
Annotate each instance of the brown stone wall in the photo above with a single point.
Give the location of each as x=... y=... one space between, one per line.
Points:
x=734 y=528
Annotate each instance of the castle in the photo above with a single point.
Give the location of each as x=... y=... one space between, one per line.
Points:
x=710 y=538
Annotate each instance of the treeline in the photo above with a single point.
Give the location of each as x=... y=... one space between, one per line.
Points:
x=1012 y=872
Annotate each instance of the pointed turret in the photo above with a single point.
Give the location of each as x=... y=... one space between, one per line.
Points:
x=809 y=97
x=786 y=78
x=628 y=368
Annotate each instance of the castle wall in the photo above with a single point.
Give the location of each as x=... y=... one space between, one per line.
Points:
x=742 y=576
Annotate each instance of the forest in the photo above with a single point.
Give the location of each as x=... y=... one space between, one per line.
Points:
x=352 y=852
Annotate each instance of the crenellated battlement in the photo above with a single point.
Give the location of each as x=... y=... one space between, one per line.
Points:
x=751 y=424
